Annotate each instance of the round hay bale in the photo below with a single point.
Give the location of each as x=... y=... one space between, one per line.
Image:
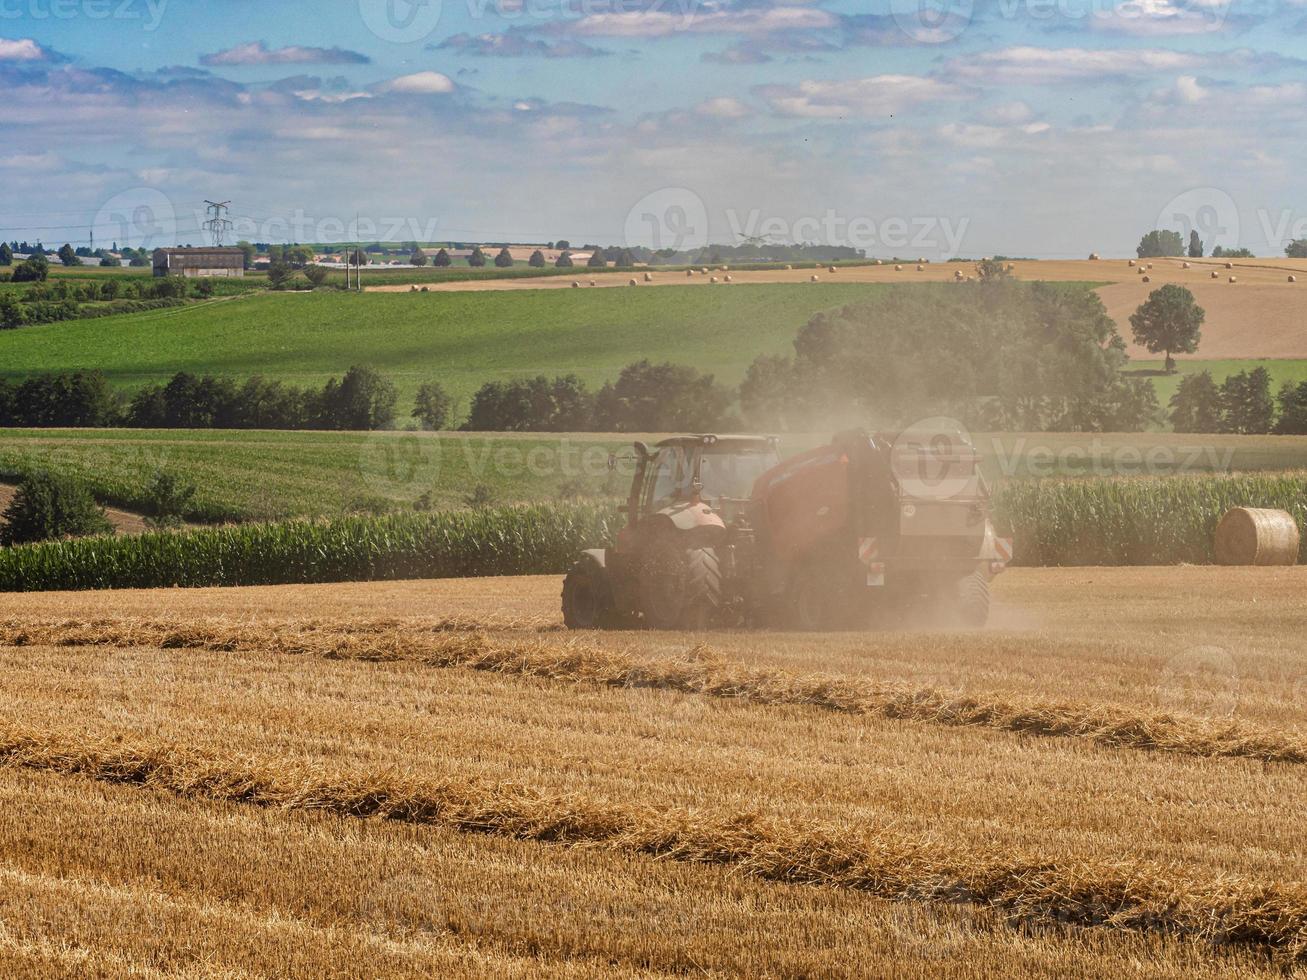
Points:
x=898 y=268
x=1229 y=265
x=593 y=283
x=1142 y=270
x=728 y=278
x=1132 y=263
x=648 y=277
x=880 y=261
x=921 y=261
x=789 y=267
x=632 y=283
x=830 y=268
x=1148 y=278
x=575 y=284
x=412 y=289
x=1293 y=278
x=1093 y=256
x=1184 y=265
x=813 y=279
x=1150 y=265
x=689 y=272
x=424 y=289
x=713 y=279
x=1234 y=278
x=1215 y=274
x=1256 y=536
x=703 y=271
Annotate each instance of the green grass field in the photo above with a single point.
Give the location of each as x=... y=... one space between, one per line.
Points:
x=1281 y=371
x=459 y=339
x=264 y=475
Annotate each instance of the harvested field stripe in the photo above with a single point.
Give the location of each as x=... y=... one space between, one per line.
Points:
x=1122 y=895
x=699 y=672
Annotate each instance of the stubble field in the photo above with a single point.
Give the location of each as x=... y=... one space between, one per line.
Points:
x=417 y=778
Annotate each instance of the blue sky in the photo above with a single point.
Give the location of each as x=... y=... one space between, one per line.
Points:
x=907 y=127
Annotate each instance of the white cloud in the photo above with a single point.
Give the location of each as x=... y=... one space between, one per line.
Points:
x=1141 y=18
x=1290 y=93
x=723 y=108
x=1008 y=113
x=258 y=53
x=421 y=83
x=24 y=49
x=1038 y=65
x=693 y=20
x=1189 y=89
x=878 y=95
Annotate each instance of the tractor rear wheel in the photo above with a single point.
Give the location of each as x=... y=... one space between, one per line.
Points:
x=681 y=589
x=587 y=597
x=973 y=600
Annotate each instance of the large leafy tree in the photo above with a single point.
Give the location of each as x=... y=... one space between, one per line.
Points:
x=477 y=259
x=537 y=260
x=68 y=255
x=1169 y=322
x=1195 y=245
x=504 y=259
x=1196 y=404
x=1159 y=244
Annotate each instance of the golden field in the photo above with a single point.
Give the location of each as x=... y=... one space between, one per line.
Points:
x=425 y=778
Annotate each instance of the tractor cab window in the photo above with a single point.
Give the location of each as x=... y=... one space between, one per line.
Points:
x=731 y=474
x=667 y=479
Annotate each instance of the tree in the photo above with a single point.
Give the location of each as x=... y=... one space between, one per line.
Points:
x=35 y=268
x=563 y=245
x=1195 y=245
x=361 y=400
x=477 y=259
x=537 y=260
x=46 y=507
x=315 y=274
x=418 y=257
x=6 y=254
x=1293 y=409
x=1296 y=249
x=1246 y=404
x=564 y=261
x=1159 y=244
x=1168 y=321
x=625 y=259
x=68 y=255
x=299 y=256
x=249 y=251
x=666 y=397
x=433 y=406
x=167 y=499
x=597 y=260
x=279 y=274
x=504 y=260
x=1232 y=253
x=441 y=260
x=109 y=263
x=992 y=270
x=1196 y=404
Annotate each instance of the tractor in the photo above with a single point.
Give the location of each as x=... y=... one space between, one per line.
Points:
x=870 y=529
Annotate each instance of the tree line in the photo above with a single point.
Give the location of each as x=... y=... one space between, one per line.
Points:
x=1242 y=404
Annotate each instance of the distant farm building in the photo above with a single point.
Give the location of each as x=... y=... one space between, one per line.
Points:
x=198 y=262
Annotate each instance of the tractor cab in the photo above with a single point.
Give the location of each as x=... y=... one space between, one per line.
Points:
x=716 y=471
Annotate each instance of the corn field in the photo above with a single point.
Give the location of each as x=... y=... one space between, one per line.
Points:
x=535 y=539
x=1139 y=521
x=1134 y=521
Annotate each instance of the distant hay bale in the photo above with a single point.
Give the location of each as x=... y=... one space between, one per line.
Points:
x=1234 y=278
x=1184 y=265
x=713 y=279
x=1141 y=270
x=1229 y=265
x=1150 y=265
x=593 y=283
x=830 y=268
x=722 y=268
x=728 y=278
x=424 y=289
x=813 y=279
x=648 y=277
x=689 y=272
x=880 y=261
x=898 y=268
x=575 y=284
x=704 y=270
x=412 y=289
x=633 y=282
x=1093 y=256
x=789 y=267
x=1132 y=263
x=1148 y=278
x=1215 y=274
x=921 y=261
x=1256 y=536
x=921 y=267
x=1293 y=278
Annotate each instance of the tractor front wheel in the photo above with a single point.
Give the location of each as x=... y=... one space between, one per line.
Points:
x=587 y=597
